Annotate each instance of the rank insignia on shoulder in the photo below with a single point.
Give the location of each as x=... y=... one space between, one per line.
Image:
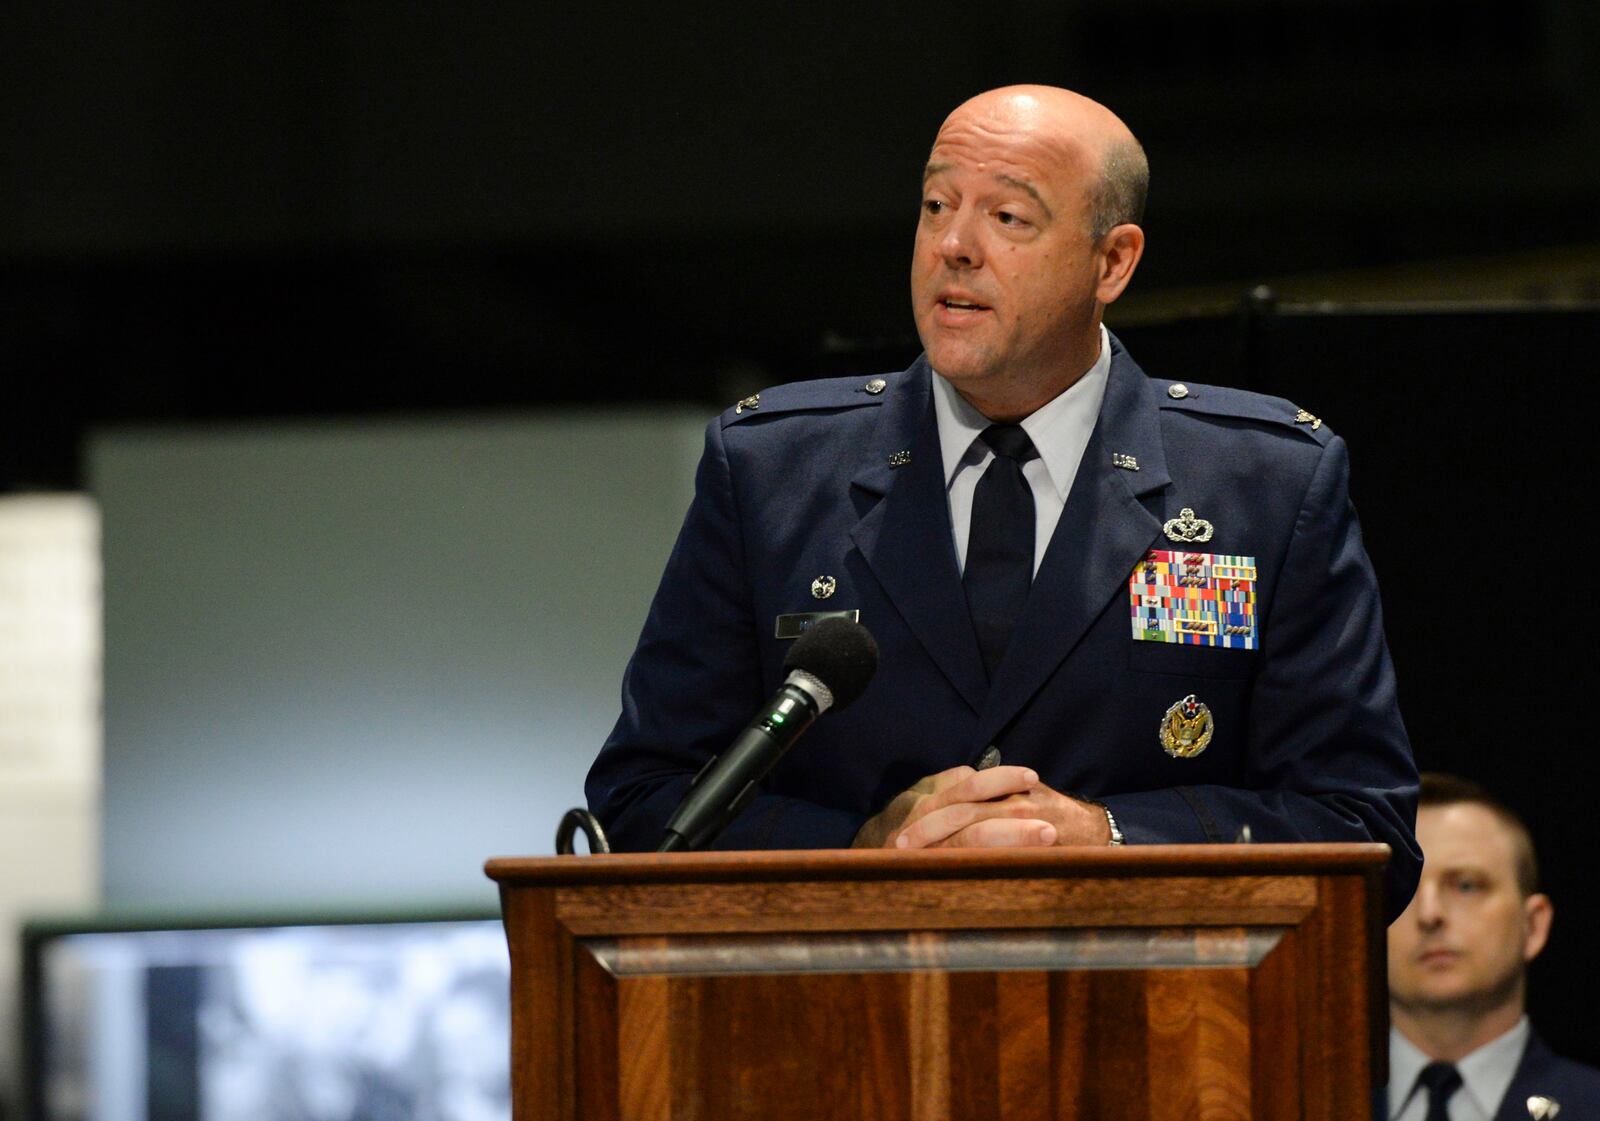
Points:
x=1186 y=728
x=1303 y=417
x=1194 y=599
x=751 y=402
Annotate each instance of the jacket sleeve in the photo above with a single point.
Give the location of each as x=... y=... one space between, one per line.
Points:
x=1329 y=756
x=692 y=684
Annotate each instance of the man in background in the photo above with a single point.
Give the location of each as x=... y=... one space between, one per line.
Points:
x=1461 y=1047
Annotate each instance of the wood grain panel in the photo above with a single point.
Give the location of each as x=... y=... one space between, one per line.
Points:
x=542 y=1021
x=1127 y=863
x=1071 y=1011
x=1275 y=1034
x=1115 y=1071
x=929 y=1034
x=643 y=1025
x=597 y=1059
x=1154 y=901
x=1162 y=1044
x=1204 y=986
x=795 y=1047
x=973 y=1032
x=1022 y=1052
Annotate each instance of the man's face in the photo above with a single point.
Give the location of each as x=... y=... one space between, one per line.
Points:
x=1004 y=276
x=1469 y=932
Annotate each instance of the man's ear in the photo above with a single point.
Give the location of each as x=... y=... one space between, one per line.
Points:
x=1119 y=251
x=1538 y=912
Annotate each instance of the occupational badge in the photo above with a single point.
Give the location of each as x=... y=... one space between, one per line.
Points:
x=1194 y=599
x=1186 y=728
x=823 y=586
x=1541 y=1108
x=1186 y=527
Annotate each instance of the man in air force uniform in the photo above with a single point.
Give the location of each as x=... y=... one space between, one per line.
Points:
x=1149 y=598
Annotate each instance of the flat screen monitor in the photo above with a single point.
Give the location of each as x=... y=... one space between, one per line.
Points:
x=403 y=1018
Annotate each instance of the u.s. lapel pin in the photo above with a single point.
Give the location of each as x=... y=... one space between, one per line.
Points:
x=1541 y=1108
x=1126 y=462
x=1186 y=527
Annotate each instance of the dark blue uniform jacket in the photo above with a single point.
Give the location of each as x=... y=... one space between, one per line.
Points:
x=1572 y=1087
x=1308 y=743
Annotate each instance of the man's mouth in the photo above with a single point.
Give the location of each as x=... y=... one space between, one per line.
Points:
x=952 y=303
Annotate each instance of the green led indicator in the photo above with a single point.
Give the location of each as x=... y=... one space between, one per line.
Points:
x=777 y=718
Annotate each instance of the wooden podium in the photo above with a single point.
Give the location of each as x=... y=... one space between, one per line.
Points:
x=1197 y=982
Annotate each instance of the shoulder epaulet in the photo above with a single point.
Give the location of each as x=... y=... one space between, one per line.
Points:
x=809 y=396
x=1241 y=404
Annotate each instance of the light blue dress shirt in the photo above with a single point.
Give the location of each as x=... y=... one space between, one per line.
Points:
x=1486 y=1075
x=1060 y=431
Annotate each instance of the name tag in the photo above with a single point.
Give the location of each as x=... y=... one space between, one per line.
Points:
x=793 y=626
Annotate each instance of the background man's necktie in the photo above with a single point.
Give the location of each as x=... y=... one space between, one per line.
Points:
x=1442 y=1080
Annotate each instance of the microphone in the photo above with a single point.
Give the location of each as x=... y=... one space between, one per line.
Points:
x=828 y=667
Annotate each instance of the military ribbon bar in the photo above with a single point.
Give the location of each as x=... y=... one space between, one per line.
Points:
x=1195 y=599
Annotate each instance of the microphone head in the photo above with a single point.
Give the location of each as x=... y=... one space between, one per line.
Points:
x=841 y=654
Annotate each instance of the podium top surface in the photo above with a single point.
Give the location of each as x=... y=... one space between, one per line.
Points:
x=878 y=864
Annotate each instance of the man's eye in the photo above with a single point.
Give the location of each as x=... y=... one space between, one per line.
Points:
x=1006 y=218
x=932 y=207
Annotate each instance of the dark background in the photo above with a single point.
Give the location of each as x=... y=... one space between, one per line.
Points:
x=222 y=211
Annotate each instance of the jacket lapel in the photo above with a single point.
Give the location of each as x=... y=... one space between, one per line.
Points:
x=905 y=536
x=1532 y=1078
x=1103 y=532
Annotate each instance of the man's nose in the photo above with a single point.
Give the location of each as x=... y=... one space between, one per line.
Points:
x=960 y=245
x=1430 y=911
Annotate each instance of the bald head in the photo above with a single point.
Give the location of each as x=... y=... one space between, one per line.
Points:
x=1086 y=138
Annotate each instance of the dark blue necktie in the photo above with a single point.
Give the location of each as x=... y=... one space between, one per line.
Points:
x=1441 y=1080
x=999 y=567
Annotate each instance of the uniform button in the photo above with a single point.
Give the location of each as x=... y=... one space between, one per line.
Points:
x=876 y=386
x=1177 y=390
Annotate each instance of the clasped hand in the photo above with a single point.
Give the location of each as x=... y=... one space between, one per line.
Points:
x=1003 y=806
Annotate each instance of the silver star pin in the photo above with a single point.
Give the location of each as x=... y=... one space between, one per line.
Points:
x=1541 y=1108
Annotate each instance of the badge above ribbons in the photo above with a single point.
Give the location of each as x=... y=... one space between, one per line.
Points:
x=1196 y=599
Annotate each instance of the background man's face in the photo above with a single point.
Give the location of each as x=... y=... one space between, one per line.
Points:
x=1466 y=937
x=1003 y=275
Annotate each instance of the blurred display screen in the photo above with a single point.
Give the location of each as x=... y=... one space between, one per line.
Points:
x=366 y=1021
